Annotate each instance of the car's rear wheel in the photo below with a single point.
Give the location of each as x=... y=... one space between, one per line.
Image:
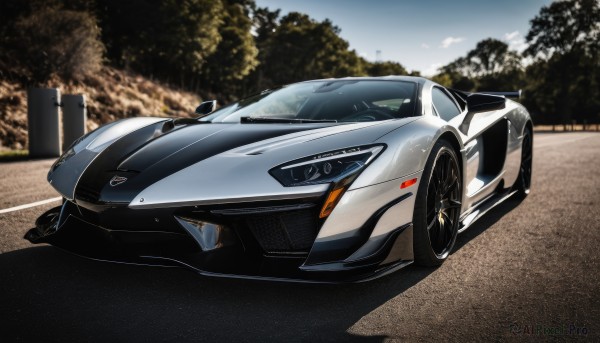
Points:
x=437 y=206
x=524 y=181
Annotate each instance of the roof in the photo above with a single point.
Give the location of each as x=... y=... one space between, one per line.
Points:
x=416 y=79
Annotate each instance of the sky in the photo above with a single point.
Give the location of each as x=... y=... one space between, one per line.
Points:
x=422 y=35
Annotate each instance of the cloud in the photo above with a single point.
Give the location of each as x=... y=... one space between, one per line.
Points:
x=515 y=41
x=511 y=36
x=424 y=46
x=451 y=40
x=432 y=70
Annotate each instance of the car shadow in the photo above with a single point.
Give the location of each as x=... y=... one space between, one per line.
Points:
x=50 y=295
x=486 y=221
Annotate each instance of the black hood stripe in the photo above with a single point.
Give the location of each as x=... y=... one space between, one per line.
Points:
x=168 y=144
x=145 y=159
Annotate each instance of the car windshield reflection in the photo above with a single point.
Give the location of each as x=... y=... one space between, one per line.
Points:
x=324 y=101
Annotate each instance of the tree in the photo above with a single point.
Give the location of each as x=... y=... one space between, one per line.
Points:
x=563 y=88
x=236 y=54
x=170 y=39
x=385 y=68
x=51 y=41
x=565 y=26
x=265 y=24
x=492 y=57
x=564 y=81
x=489 y=66
x=456 y=74
x=301 y=48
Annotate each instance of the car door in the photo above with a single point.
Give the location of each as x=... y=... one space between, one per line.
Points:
x=485 y=145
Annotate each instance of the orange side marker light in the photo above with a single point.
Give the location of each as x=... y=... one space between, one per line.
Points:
x=408 y=183
x=331 y=201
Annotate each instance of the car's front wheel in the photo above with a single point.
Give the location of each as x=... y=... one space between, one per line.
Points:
x=524 y=181
x=437 y=206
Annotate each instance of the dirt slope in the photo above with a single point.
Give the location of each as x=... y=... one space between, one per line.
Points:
x=111 y=94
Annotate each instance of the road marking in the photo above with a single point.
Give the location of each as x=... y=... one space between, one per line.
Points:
x=33 y=204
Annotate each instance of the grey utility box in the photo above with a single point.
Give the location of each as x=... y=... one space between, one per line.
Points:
x=74 y=117
x=43 y=122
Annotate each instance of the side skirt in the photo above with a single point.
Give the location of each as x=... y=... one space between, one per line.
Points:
x=483 y=208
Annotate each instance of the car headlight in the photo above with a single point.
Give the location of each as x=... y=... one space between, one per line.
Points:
x=327 y=167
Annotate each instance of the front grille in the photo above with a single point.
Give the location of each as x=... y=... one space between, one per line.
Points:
x=87 y=193
x=288 y=232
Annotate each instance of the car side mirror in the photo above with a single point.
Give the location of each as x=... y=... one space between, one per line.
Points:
x=206 y=107
x=478 y=102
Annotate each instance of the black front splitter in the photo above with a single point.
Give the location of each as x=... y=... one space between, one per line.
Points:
x=169 y=249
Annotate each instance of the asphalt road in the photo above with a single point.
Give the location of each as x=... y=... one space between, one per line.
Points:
x=528 y=270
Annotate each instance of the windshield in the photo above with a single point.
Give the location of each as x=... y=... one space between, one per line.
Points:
x=328 y=100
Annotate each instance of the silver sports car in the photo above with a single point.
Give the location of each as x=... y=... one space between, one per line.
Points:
x=327 y=180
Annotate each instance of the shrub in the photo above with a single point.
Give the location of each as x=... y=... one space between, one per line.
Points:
x=52 y=42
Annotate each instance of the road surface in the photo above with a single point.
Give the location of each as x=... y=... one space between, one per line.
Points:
x=528 y=270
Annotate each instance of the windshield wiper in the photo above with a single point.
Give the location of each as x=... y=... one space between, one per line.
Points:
x=283 y=120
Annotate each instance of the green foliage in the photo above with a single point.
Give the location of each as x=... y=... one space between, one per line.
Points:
x=490 y=66
x=265 y=23
x=46 y=41
x=300 y=48
x=565 y=26
x=564 y=81
x=443 y=79
x=564 y=88
x=170 y=39
x=492 y=57
x=385 y=68
x=235 y=56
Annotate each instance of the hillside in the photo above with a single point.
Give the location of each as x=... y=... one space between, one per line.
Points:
x=111 y=94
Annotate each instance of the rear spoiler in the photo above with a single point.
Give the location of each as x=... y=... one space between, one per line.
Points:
x=514 y=94
x=464 y=95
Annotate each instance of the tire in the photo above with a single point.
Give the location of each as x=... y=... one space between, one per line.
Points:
x=525 y=169
x=437 y=206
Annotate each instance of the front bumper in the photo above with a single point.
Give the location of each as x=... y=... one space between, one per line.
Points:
x=266 y=241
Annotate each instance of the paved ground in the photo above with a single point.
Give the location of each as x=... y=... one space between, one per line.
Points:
x=526 y=271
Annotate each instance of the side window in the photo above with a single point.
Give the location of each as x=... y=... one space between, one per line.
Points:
x=444 y=106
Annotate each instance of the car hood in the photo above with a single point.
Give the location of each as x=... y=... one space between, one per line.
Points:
x=117 y=171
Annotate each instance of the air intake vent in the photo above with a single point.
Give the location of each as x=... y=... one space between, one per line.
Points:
x=87 y=194
x=291 y=232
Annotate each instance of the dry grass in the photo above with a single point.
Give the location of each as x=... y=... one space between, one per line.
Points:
x=13 y=155
x=111 y=94
x=13 y=116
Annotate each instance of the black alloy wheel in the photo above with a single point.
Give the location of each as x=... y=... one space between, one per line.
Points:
x=437 y=207
x=524 y=181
